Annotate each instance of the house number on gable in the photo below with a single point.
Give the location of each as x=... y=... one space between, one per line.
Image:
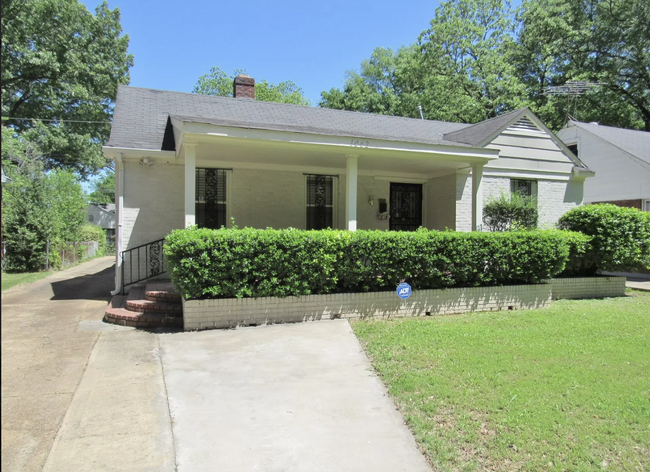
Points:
x=360 y=143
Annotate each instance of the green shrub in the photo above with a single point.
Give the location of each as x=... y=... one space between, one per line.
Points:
x=511 y=212
x=620 y=238
x=93 y=233
x=248 y=262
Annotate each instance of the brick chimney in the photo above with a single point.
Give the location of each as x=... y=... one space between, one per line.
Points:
x=244 y=87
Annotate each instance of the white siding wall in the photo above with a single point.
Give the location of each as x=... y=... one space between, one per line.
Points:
x=440 y=203
x=153 y=202
x=618 y=176
x=524 y=147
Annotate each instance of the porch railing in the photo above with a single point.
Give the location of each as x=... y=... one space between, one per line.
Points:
x=143 y=262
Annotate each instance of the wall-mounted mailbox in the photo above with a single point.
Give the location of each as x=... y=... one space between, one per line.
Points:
x=383 y=206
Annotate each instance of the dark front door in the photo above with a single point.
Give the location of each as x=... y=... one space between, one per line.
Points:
x=405 y=206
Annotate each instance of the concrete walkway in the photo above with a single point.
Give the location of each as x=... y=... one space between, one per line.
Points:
x=78 y=394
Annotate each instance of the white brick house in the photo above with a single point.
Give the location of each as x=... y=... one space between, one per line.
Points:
x=185 y=159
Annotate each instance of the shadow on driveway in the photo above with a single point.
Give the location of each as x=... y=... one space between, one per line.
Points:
x=96 y=286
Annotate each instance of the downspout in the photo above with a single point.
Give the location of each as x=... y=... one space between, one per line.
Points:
x=118 y=237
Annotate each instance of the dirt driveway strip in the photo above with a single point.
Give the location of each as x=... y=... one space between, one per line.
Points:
x=299 y=397
x=44 y=356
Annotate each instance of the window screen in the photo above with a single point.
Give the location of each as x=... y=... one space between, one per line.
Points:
x=211 y=198
x=320 y=201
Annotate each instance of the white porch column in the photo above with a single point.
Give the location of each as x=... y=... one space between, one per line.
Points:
x=351 y=192
x=190 y=185
x=477 y=197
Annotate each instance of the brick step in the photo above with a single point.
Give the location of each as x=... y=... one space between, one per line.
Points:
x=161 y=291
x=117 y=313
x=149 y=306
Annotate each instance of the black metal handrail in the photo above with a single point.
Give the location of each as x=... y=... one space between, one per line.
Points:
x=149 y=262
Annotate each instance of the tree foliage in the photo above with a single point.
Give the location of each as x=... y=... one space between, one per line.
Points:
x=103 y=189
x=61 y=66
x=39 y=207
x=217 y=82
x=481 y=58
x=384 y=85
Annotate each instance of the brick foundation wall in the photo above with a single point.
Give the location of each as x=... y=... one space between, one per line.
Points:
x=638 y=204
x=588 y=287
x=232 y=312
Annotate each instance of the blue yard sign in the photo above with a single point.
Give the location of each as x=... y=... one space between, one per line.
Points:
x=404 y=290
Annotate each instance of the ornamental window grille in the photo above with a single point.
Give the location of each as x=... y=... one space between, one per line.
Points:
x=526 y=188
x=211 y=198
x=320 y=201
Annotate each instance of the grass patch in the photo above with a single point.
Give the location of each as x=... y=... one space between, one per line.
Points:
x=561 y=388
x=11 y=280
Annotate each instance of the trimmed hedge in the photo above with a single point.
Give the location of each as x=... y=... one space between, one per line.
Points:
x=228 y=263
x=620 y=238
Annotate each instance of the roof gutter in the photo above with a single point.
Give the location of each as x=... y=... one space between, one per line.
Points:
x=112 y=152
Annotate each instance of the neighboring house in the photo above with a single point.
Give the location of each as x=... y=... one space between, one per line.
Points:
x=619 y=157
x=184 y=159
x=103 y=215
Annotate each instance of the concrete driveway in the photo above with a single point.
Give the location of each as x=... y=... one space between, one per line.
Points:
x=81 y=395
x=298 y=397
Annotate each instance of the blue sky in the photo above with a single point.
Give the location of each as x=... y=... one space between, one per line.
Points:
x=311 y=43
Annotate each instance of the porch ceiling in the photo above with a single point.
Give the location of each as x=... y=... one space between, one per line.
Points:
x=231 y=152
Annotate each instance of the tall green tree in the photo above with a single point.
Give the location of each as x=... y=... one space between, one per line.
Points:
x=460 y=69
x=386 y=84
x=103 y=189
x=217 y=82
x=61 y=66
x=606 y=42
x=468 y=62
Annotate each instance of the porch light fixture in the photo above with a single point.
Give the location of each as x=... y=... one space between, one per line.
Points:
x=145 y=162
x=371 y=200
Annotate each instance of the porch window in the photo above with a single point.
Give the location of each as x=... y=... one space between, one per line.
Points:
x=320 y=201
x=526 y=188
x=211 y=198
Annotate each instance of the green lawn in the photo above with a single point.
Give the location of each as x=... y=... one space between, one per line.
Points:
x=562 y=388
x=11 y=280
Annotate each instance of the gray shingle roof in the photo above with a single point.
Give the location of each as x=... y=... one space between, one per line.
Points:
x=141 y=116
x=474 y=134
x=634 y=142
